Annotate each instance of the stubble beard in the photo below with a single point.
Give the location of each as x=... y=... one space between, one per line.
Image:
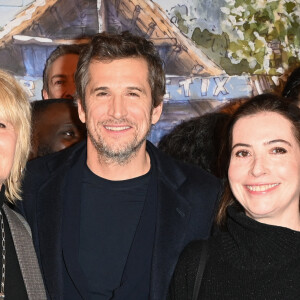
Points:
x=118 y=155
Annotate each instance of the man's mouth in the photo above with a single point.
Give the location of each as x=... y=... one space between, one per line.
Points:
x=116 y=128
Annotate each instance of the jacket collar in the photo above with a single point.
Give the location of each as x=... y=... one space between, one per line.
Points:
x=65 y=158
x=174 y=177
x=168 y=171
x=173 y=215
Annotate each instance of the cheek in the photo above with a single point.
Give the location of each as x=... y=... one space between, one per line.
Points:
x=146 y=116
x=59 y=144
x=234 y=172
x=239 y=169
x=236 y=175
x=289 y=171
x=55 y=93
x=70 y=141
x=9 y=151
x=95 y=114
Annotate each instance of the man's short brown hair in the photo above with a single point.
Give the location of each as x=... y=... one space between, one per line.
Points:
x=107 y=47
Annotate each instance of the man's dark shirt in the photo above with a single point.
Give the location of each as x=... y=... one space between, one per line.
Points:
x=110 y=212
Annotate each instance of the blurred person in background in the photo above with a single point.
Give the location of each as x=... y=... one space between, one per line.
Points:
x=197 y=141
x=292 y=87
x=55 y=126
x=58 y=75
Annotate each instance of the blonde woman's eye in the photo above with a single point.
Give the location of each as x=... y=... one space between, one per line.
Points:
x=2 y=125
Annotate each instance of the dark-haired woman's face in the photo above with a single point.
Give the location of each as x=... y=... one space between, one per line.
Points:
x=264 y=170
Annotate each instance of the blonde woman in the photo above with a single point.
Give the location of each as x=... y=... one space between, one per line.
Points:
x=20 y=277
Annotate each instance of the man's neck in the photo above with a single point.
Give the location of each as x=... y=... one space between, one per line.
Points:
x=136 y=166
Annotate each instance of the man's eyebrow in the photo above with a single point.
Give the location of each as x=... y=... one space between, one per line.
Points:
x=240 y=145
x=278 y=141
x=99 y=88
x=58 y=76
x=136 y=88
x=131 y=88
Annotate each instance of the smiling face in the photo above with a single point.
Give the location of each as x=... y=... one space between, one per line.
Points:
x=264 y=170
x=119 y=109
x=8 y=141
x=61 y=77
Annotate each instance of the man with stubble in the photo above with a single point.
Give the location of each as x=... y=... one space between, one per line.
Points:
x=111 y=215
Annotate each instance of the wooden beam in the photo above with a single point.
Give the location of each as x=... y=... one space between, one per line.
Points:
x=24 y=19
x=152 y=20
x=29 y=40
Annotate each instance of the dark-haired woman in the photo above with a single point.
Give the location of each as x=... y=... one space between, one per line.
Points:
x=256 y=255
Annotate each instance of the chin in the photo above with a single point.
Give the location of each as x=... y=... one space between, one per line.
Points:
x=259 y=213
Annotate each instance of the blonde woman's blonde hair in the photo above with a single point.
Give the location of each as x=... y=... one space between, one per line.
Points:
x=15 y=108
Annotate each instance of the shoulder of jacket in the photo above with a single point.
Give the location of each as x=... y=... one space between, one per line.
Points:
x=54 y=160
x=193 y=174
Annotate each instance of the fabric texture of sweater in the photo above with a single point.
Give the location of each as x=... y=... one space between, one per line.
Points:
x=250 y=260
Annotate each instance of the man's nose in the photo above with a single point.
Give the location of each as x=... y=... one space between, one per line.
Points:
x=70 y=90
x=117 y=107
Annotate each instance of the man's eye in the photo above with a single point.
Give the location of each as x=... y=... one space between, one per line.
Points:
x=131 y=94
x=242 y=153
x=59 y=82
x=102 y=94
x=278 y=150
x=70 y=133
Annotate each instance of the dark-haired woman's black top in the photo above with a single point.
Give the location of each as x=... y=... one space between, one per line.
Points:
x=250 y=260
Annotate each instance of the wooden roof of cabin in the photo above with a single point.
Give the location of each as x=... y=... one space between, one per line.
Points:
x=67 y=20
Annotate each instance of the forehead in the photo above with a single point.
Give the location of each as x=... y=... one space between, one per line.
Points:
x=262 y=126
x=65 y=63
x=9 y=113
x=55 y=112
x=125 y=68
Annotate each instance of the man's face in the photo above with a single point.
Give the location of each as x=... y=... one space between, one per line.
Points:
x=57 y=128
x=61 y=77
x=119 y=109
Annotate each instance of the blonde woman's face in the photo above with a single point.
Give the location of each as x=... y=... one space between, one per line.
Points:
x=8 y=141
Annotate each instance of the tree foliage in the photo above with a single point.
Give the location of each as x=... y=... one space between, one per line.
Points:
x=265 y=33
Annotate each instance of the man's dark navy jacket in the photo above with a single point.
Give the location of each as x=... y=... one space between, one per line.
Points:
x=187 y=198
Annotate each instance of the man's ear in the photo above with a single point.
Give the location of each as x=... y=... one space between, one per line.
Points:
x=81 y=111
x=45 y=94
x=156 y=113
